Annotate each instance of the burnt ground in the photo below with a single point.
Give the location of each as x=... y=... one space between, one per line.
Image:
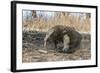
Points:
x=33 y=50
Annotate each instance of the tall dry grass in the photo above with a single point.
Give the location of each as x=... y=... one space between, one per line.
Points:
x=39 y=24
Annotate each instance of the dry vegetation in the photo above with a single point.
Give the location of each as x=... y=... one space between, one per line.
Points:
x=36 y=55
x=40 y=24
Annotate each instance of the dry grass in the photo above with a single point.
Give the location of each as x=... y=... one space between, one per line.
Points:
x=39 y=24
x=36 y=56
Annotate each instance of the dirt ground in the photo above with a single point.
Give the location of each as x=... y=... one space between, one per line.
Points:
x=33 y=50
